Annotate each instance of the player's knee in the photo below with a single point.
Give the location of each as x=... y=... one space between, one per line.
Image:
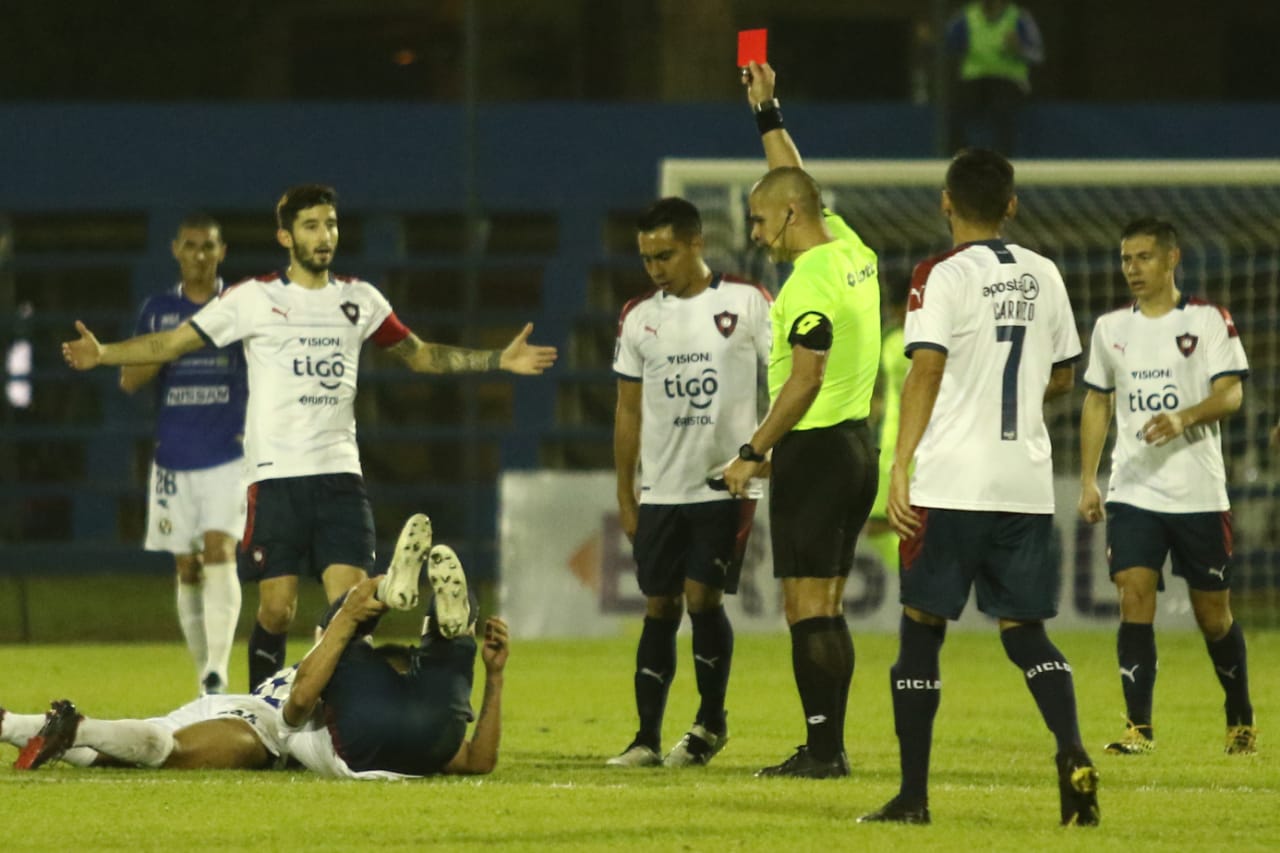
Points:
x=188 y=569
x=701 y=598
x=1214 y=621
x=276 y=616
x=219 y=547
x=664 y=606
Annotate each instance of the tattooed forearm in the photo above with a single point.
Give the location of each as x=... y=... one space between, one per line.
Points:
x=438 y=358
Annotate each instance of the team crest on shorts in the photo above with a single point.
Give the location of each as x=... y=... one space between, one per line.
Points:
x=351 y=311
x=726 y=322
x=1187 y=344
x=166 y=526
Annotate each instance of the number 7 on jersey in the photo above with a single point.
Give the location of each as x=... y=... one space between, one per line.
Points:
x=1013 y=335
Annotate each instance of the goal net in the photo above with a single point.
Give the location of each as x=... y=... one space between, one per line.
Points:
x=1228 y=218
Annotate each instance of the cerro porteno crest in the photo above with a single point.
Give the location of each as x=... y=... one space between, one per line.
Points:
x=726 y=322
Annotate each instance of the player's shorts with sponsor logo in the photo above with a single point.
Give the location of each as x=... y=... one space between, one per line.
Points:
x=256 y=712
x=704 y=542
x=1008 y=558
x=1199 y=543
x=820 y=494
x=298 y=526
x=185 y=504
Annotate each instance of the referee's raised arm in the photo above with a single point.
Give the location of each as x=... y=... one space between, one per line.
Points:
x=779 y=148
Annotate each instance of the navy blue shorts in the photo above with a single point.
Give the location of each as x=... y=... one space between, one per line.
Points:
x=820 y=494
x=410 y=722
x=1009 y=557
x=299 y=526
x=703 y=542
x=1200 y=543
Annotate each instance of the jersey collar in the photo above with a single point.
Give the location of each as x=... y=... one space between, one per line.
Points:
x=284 y=277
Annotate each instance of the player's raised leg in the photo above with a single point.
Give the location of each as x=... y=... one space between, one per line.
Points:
x=398 y=589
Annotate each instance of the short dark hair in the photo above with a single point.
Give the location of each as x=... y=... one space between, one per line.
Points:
x=980 y=183
x=200 y=220
x=1164 y=232
x=681 y=215
x=299 y=198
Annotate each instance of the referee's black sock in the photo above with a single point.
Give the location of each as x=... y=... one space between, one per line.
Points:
x=1136 y=651
x=916 y=687
x=655 y=667
x=822 y=657
x=1048 y=678
x=1231 y=665
x=266 y=654
x=712 y=656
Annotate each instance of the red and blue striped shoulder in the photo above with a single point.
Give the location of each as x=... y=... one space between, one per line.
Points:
x=632 y=303
x=920 y=276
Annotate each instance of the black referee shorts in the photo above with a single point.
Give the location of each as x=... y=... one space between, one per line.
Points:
x=821 y=492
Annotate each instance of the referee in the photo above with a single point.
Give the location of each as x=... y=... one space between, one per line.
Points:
x=822 y=371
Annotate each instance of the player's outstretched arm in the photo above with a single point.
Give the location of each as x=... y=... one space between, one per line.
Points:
x=779 y=148
x=480 y=754
x=519 y=357
x=86 y=352
x=1095 y=420
x=135 y=376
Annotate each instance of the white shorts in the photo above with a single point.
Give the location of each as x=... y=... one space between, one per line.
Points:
x=312 y=747
x=265 y=720
x=184 y=504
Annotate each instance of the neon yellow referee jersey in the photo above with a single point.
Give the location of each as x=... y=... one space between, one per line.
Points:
x=839 y=281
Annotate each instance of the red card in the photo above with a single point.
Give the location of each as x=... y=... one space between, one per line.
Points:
x=752 y=47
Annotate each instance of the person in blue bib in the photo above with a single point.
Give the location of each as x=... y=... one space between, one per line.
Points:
x=196 y=496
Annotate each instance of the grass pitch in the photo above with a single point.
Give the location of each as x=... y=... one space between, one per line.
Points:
x=568 y=706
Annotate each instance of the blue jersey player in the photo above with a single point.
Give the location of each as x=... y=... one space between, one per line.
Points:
x=196 y=506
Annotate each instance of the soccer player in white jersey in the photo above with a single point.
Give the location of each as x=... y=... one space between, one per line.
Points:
x=411 y=703
x=991 y=335
x=690 y=359
x=1171 y=368
x=196 y=509
x=302 y=330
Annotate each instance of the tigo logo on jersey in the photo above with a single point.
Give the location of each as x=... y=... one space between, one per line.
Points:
x=726 y=322
x=1164 y=400
x=698 y=390
x=329 y=370
x=1187 y=344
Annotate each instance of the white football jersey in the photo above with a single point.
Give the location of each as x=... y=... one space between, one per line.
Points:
x=1161 y=364
x=1000 y=313
x=303 y=352
x=701 y=361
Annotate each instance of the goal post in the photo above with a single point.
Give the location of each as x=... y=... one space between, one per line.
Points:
x=1227 y=213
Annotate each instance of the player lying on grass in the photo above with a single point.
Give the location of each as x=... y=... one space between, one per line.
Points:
x=398 y=711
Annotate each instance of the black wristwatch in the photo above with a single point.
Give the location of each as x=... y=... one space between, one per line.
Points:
x=747 y=453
